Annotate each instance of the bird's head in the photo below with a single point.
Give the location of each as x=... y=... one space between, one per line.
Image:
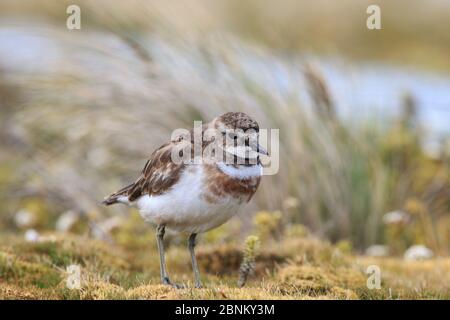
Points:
x=239 y=135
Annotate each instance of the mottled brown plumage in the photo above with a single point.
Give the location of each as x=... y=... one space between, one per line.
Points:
x=194 y=197
x=160 y=173
x=238 y=120
x=219 y=184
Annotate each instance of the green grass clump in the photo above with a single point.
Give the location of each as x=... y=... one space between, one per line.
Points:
x=247 y=267
x=292 y=268
x=320 y=282
x=22 y=273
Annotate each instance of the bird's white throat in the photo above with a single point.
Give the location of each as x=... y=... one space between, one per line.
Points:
x=241 y=172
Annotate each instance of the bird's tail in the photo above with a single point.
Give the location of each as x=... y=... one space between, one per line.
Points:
x=115 y=197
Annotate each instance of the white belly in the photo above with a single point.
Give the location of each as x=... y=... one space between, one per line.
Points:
x=184 y=208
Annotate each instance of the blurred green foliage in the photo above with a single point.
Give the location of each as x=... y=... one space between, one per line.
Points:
x=72 y=134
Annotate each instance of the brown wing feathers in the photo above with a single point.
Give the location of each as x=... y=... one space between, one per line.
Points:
x=158 y=175
x=113 y=198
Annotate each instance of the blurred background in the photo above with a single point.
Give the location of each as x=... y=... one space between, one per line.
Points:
x=363 y=114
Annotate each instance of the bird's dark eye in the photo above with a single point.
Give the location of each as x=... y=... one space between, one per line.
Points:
x=232 y=135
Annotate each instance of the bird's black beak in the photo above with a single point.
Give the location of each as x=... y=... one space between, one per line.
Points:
x=261 y=150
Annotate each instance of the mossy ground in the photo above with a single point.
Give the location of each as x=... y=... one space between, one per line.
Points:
x=293 y=268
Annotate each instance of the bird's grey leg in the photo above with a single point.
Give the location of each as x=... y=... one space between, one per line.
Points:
x=191 y=246
x=160 y=230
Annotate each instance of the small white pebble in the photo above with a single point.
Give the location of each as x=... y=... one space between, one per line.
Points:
x=32 y=235
x=24 y=218
x=418 y=252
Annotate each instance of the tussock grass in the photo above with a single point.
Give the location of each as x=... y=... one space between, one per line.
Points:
x=90 y=129
x=307 y=269
x=84 y=126
x=343 y=178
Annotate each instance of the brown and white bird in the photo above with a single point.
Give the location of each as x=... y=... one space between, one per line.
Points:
x=192 y=196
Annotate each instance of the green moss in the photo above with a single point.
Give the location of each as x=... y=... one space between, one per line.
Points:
x=304 y=268
x=335 y=283
x=90 y=254
x=25 y=273
x=58 y=255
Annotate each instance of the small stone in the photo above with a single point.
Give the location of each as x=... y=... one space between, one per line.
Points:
x=418 y=252
x=32 y=235
x=24 y=218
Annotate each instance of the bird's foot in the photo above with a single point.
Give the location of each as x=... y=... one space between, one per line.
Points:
x=178 y=286
x=166 y=281
x=198 y=285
